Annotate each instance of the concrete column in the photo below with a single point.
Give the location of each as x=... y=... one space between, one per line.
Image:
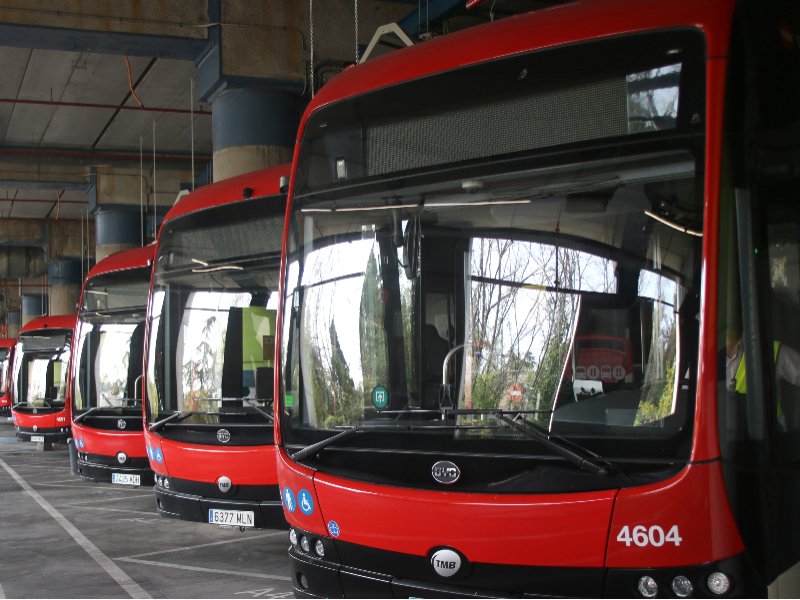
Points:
x=65 y=286
x=13 y=321
x=116 y=229
x=253 y=129
x=33 y=307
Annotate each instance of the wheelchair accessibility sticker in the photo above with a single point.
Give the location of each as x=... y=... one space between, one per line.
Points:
x=305 y=502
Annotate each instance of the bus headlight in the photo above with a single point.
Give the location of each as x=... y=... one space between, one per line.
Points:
x=719 y=583
x=682 y=587
x=304 y=544
x=648 y=586
x=293 y=537
x=319 y=548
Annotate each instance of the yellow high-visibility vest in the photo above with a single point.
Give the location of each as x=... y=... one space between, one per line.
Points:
x=741 y=378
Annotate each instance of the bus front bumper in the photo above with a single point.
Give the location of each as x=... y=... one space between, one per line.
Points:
x=187 y=507
x=99 y=472
x=49 y=435
x=327 y=577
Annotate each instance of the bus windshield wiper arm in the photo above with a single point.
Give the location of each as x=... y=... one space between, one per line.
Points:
x=159 y=424
x=572 y=457
x=267 y=416
x=314 y=448
x=81 y=416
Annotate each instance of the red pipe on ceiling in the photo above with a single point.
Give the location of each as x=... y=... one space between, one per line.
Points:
x=96 y=155
x=106 y=106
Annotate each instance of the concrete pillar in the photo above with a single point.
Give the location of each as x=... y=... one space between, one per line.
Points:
x=253 y=129
x=33 y=307
x=116 y=229
x=13 y=321
x=65 y=286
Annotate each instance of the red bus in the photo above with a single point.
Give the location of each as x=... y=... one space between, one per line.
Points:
x=106 y=379
x=210 y=351
x=606 y=184
x=6 y=359
x=39 y=405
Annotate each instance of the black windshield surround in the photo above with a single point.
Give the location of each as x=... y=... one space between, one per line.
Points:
x=402 y=215
x=110 y=346
x=41 y=364
x=214 y=286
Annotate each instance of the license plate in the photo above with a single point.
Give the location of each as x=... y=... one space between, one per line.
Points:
x=126 y=479
x=37 y=438
x=238 y=518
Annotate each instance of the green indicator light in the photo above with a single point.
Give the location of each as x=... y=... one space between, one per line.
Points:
x=756 y=250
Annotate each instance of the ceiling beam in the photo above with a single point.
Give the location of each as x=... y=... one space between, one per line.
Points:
x=107 y=106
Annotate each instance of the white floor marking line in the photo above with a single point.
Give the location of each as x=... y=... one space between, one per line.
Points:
x=204 y=570
x=110 y=499
x=181 y=549
x=117 y=574
x=138 y=512
x=2 y=593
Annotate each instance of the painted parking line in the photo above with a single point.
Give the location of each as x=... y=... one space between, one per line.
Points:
x=126 y=583
x=182 y=548
x=204 y=569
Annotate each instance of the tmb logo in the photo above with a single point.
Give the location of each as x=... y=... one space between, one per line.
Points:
x=447 y=562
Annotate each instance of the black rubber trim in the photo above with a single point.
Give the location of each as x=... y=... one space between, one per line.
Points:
x=705 y=462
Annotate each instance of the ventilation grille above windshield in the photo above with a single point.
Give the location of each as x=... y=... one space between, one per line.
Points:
x=548 y=118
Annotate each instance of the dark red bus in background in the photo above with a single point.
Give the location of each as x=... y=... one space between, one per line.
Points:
x=540 y=311
x=39 y=405
x=210 y=353
x=6 y=358
x=107 y=370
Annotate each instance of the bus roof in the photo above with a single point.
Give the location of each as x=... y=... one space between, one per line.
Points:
x=563 y=24
x=62 y=322
x=135 y=258
x=265 y=182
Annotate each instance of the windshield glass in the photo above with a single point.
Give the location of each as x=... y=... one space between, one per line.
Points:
x=110 y=339
x=5 y=356
x=213 y=312
x=41 y=362
x=562 y=286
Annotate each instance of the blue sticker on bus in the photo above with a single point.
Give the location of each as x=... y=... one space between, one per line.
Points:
x=305 y=501
x=333 y=528
x=159 y=456
x=150 y=453
x=80 y=443
x=288 y=500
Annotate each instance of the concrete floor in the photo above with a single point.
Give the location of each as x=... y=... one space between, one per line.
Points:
x=61 y=537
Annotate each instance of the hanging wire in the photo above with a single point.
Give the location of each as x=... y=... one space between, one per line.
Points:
x=311 y=35
x=356 y=11
x=155 y=203
x=191 y=110
x=141 y=188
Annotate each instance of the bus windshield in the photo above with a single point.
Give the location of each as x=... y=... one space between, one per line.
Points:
x=110 y=339
x=540 y=272
x=213 y=312
x=41 y=362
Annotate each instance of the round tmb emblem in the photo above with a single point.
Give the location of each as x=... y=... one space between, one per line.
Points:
x=446 y=472
x=446 y=562
x=224 y=483
x=121 y=424
x=224 y=436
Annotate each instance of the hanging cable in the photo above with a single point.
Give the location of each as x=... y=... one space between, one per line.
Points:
x=141 y=188
x=191 y=110
x=311 y=35
x=155 y=203
x=356 y=11
x=130 y=81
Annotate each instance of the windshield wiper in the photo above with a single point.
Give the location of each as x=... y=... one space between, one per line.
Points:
x=267 y=416
x=250 y=402
x=83 y=415
x=159 y=424
x=314 y=448
x=572 y=457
